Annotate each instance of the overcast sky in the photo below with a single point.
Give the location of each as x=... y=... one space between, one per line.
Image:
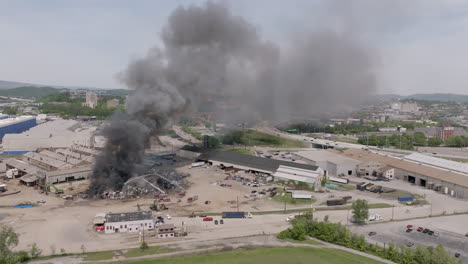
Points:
x=421 y=45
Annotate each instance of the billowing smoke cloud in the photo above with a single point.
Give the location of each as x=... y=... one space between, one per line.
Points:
x=208 y=52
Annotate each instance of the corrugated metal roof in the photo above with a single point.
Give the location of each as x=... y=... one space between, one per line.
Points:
x=443 y=175
x=47 y=160
x=438 y=162
x=253 y=162
x=22 y=166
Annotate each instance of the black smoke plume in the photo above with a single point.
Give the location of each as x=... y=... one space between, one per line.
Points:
x=207 y=52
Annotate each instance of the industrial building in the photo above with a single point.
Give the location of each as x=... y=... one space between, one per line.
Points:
x=72 y=174
x=446 y=178
x=45 y=162
x=279 y=169
x=165 y=231
x=15 y=125
x=333 y=163
x=50 y=135
x=128 y=222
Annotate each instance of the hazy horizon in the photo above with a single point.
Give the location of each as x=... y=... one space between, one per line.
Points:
x=419 y=44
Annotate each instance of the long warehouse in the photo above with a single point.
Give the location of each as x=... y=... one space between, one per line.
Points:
x=436 y=178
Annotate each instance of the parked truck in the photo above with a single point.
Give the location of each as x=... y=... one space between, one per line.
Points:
x=336 y=202
x=236 y=215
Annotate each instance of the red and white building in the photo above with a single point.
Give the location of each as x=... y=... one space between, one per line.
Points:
x=128 y=222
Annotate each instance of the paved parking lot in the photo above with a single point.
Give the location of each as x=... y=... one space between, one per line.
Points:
x=451 y=231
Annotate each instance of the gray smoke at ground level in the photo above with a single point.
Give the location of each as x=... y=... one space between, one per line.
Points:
x=209 y=53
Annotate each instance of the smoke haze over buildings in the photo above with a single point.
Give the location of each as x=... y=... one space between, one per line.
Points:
x=207 y=52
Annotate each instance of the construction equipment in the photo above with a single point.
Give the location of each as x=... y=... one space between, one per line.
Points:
x=158 y=206
x=57 y=190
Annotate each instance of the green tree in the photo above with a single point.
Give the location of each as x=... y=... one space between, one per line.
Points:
x=434 y=141
x=8 y=240
x=360 y=211
x=10 y=110
x=143 y=245
x=419 y=139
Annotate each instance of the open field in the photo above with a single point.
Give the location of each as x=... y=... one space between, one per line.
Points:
x=297 y=255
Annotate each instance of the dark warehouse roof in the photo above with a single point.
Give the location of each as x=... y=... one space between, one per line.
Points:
x=253 y=162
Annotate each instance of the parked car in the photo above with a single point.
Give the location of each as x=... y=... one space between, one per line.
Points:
x=430 y=232
x=409 y=226
x=168 y=217
x=425 y=231
x=436 y=234
x=457 y=255
x=221 y=221
x=372 y=233
x=409 y=230
x=409 y=244
x=420 y=229
x=216 y=222
x=207 y=202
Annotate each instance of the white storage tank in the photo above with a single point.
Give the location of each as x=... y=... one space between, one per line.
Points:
x=445 y=190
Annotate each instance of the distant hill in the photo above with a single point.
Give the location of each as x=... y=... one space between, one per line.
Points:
x=10 y=85
x=444 y=97
x=30 y=92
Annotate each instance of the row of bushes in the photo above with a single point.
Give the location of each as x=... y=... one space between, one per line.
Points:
x=338 y=234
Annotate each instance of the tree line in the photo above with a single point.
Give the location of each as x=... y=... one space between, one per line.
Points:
x=406 y=141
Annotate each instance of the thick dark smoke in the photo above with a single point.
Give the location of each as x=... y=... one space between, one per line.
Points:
x=208 y=52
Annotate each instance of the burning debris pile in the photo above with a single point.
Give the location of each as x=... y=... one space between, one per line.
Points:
x=208 y=52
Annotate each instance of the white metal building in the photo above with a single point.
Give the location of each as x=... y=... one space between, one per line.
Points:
x=128 y=222
x=333 y=163
x=311 y=177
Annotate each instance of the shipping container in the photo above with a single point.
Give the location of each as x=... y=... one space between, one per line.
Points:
x=405 y=198
x=233 y=214
x=208 y=219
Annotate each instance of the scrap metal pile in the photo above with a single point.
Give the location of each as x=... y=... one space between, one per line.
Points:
x=157 y=175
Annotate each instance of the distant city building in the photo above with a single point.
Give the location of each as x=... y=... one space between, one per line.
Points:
x=113 y=103
x=91 y=100
x=445 y=132
x=409 y=107
x=78 y=94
